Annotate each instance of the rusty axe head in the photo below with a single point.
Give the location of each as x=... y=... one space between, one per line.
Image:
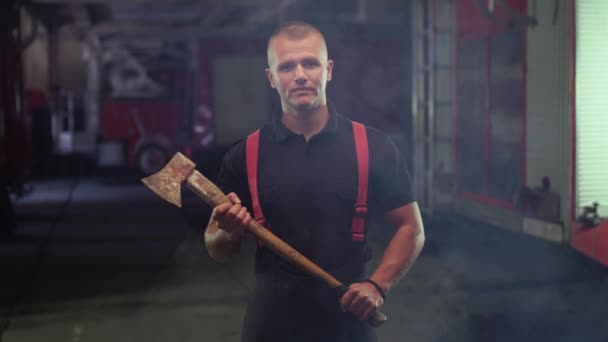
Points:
x=167 y=182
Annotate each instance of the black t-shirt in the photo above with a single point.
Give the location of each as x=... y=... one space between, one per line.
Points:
x=307 y=191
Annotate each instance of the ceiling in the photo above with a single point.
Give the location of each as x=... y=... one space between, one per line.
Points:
x=179 y=19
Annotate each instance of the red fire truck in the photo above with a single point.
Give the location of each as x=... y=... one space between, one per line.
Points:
x=142 y=132
x=138 y=106
x=152 y=106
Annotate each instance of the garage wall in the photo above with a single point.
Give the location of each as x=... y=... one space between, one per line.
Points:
x=549 y=100
x=35 y=57
x=69 y=73
x=547 y=122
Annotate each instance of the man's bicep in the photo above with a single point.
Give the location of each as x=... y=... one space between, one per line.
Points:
x=406 y=216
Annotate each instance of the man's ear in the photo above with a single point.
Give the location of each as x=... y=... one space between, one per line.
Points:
x=270 y=78
x=330 y=67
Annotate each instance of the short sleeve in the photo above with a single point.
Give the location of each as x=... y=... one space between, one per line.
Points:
x=232 y=176
x=390 y=183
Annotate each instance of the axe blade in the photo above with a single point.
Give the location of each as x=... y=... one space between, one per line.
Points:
x=167 y=182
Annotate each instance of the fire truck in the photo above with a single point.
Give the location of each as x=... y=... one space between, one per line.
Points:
x=138 y=106
x=144 y=115
x=194 y=98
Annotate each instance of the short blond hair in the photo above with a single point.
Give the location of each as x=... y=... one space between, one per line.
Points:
x=294 y=30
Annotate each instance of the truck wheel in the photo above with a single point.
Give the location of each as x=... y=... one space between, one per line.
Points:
x=151 y=158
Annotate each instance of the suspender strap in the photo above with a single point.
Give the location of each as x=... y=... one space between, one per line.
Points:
x=252 y=147
x=362 y=149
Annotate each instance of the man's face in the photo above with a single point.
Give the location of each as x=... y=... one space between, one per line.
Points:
x=299 y=71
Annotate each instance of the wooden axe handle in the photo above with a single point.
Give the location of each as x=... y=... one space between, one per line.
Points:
x=213 y=196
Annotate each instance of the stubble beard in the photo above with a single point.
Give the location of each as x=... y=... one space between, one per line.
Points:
x=303 y=108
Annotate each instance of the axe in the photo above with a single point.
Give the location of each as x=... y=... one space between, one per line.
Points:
x=167 y=184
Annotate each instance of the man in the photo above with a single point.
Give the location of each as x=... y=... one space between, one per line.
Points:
x=308 y=184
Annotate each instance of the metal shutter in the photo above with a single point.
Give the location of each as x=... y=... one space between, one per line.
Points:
x=592 y=104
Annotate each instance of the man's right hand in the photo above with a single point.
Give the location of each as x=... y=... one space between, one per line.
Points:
x=232 y=217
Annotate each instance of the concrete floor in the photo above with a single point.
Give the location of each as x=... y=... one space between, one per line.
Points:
x=99 y=260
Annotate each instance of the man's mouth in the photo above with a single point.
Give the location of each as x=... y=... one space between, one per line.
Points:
x=302 y=90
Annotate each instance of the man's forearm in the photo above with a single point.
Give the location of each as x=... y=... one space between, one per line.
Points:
x=219 y=243
x=402 y=251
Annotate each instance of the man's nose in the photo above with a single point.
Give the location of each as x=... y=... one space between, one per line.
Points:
x=300 y=76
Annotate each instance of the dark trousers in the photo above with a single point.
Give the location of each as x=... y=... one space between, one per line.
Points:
x=297 y=313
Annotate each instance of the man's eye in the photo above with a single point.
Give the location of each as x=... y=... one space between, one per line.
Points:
x=310 y=64
x=286 y=67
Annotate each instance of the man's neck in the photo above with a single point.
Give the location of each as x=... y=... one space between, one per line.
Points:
x=306 y=123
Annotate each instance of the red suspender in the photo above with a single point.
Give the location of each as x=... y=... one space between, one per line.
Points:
x=362 y=150
x=361 y=146
x=253 y=143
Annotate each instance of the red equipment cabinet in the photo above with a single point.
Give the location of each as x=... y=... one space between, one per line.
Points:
x=15 y=131
x=15 y=136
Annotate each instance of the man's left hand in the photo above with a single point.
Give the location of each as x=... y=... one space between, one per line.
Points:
x=362 y=300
